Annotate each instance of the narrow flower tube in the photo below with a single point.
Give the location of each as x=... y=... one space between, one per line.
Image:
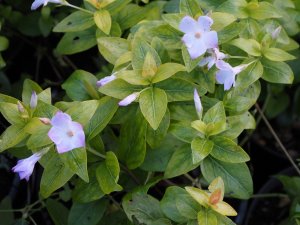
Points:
x=198 y=104
x=129 y=99
x=25 y=167
x=38 y=3
x=33 y=100
x=106 y=80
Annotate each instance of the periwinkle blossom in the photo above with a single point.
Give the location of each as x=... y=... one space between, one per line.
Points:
x=25 y=167
x=198 y=37
x=211 y=60
x=129 y=99
x=226 y=73
x=65 y=133
x=38 y=3
x=198 y=104
x=106 y=80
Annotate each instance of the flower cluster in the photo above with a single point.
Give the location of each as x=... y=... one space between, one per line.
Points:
x=199 y=39
x=65 y=133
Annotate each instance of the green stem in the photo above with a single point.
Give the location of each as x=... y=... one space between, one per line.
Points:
x=270 y=195
x=277 y=139
x=79 y=8
x=194 y=181
x=93 y=151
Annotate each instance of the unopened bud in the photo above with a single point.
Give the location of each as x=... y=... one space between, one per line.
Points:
x=45 y=120
x=33 y=100
x=20 y=107
x=276 y=33
x=198 y=104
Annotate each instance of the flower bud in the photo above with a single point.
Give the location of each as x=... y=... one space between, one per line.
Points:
x=20 y=107
x=45 y=120
x=129 y=99
x=198 y=104
x=33 y=100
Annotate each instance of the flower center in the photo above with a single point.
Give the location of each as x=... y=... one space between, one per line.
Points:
x=198 y=35
x=70 y=133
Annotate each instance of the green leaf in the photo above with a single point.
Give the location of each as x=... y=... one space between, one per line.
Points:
x=177 y=89
x=167 y=70
x=57 y=211
x=12 y=136
x=249 y=75
x=107 y=107
x=262 y=11
x=107 y=174
x=207 y=217
x=111 y=48
x=140 y=48
x=87 y=192
x=155 y=137
x=11 y=113
x=55 y=175
x=6 y=217
x=4 y=43
x=76 y=161
x=133 y=141
x=208 y=80
x=236 y=124
x=236 y=8
x=190 y=7
x=250 y=46
x=81 y=85
x=39 y=137
x=157 y=159
x=221 y=20
x=227 y=150
x=75 y=42
x=173 y=19
x=291 y=185
x=201 y=148
x=278 y=55
x=145 y=209
x=183 y=131
x=153 y=104
x=181 y=162
x=28 y=87
x=133 y=77
x=230 y=32
x=82 y=112
x=215 y=119
x=178 y=205
x=102 y=19
x=241 y=99
x=236 y=177
x=119 y=89
x=277 y=72
x=116 y=6
x=77 y=21
x=88 y=213
x=149 y=67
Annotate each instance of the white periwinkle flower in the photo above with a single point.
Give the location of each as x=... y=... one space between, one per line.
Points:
x=38 y=3
x=129 y=99
x=198 y=37
x=226 y=73
x=211 y=60
x=65 y=133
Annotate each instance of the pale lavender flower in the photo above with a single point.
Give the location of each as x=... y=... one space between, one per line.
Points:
x=38 y=3
x=65 y=133
x=198 y=37
x=129 y=99
x=25 y=166
x=106 y=80
x=276 y=32
x=226 y=73
x=33 y=100
x=198 y=104
x=211 y=60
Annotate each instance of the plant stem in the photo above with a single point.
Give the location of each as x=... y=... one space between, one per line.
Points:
x=277 y=138
x=270 y=195
x=93 y=151
x=194 y=181
x=76 y=7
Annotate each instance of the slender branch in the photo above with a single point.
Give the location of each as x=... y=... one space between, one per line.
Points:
x=194 y=181
x=277 y=138
x=270 y=195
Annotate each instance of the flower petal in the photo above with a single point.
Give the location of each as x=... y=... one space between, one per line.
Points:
x=199 y=195
x=210 y=39
x=205 y=23
x=129 y=99
x=60 y=119
x=189 y=25
x=195 y=46
x=225 y=77
x=222 y=65
x=106 y=80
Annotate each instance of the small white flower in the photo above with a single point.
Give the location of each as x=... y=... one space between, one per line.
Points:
x=198 y=104
x=38 y=3
x=25 y=166
x=211 y=60
x=129 y=99
x=226 y=73
x=106 y=80
x=198 y=37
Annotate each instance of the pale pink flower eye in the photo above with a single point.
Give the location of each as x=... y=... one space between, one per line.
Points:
x=65 y=133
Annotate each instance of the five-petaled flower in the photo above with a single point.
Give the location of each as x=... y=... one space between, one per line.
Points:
x=198 y=37
x=65 y=133
x=226 y=73
x=25 y=166
x=213 y=198
x=211 y=60
x=38 y=3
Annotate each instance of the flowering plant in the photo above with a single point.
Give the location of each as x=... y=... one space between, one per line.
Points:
x=184 y=75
